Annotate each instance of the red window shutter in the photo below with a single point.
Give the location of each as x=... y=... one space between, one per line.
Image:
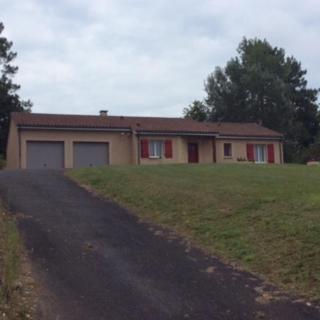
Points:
x=270 y=153
x=144 y=148
x=250 y=153
x=168 y=149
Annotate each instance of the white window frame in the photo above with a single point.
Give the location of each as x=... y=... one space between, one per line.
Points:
x=260 y=151
x=155 y=149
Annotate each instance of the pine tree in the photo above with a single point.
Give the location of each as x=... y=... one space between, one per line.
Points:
x=9 y=98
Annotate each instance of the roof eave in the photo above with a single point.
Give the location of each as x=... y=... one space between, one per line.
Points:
x=250 y=137
x=149 y=132
x=176 y=133
x=68 y=128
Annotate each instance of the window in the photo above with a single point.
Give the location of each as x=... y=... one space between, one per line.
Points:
x=155 y=149
x=260 y=154
x=227 y=150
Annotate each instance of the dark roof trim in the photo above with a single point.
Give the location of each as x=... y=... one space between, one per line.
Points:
x=151 y=133
x=21 y=127
x=235 y=137
x=180 y=133
x=55 y=128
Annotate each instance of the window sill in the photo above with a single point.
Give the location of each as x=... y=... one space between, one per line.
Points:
x=154 y=157
x=227 y=157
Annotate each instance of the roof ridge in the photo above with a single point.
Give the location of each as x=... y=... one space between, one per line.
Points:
x=94 y=115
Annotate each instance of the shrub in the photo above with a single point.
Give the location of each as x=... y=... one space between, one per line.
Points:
x=295 y=154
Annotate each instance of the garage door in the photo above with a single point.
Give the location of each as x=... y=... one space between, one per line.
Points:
x=90 y=154
x=45 y=155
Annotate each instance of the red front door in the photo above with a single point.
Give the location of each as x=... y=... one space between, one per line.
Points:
x=193 y=154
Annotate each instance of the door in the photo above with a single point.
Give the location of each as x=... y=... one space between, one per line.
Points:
x=90 y=154
x=45 y=155
x=193 y=154
x=260 y=153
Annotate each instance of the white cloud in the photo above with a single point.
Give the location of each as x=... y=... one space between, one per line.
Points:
x=143 y=57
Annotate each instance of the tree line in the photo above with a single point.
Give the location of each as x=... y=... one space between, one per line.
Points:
x=261 y=84
x=264 y=85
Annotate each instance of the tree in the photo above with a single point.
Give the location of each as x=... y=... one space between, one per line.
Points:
x=9 y=99
x=196 y=111
x=264 y=85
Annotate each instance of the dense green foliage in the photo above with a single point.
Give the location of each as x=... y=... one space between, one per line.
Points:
x=196 y=111
x=266 y=218
x=263 y=85
x=9 y=99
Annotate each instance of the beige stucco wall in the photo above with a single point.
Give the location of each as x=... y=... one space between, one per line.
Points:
x=13 y=147
x=176 y=151
x=239 y=149
x=205 y=149
x=124 y=148
x=180 y=150
x=120 y=144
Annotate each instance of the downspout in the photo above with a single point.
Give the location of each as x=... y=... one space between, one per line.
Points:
x=138 y=148
x=214 y=150
x=19 y=144
x=281 y=151
x=135 y=148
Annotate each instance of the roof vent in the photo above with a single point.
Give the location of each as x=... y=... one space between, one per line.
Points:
x=103 y=113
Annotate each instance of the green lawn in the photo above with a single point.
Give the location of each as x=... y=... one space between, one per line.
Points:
x=266 y=218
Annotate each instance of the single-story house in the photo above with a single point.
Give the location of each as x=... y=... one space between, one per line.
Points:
x=39 y=141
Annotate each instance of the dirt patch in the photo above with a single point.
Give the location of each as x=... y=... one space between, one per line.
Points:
x=210 y=269
x=21 y=302
x=17 y=286
x=267 y=295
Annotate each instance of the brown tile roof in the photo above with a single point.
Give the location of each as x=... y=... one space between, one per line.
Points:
x=142 y=124
x=245 y=129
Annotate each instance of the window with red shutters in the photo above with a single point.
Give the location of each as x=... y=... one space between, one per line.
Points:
x=144 y=148
x=168 y=149
x=250 y=152
x=270 y=153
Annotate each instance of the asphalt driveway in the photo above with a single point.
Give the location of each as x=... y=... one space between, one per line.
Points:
x=94 y=260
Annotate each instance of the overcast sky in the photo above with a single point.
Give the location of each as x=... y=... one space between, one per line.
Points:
x=144 y=57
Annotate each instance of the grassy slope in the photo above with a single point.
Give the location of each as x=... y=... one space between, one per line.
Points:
x=267 y=218
x=12 y=301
